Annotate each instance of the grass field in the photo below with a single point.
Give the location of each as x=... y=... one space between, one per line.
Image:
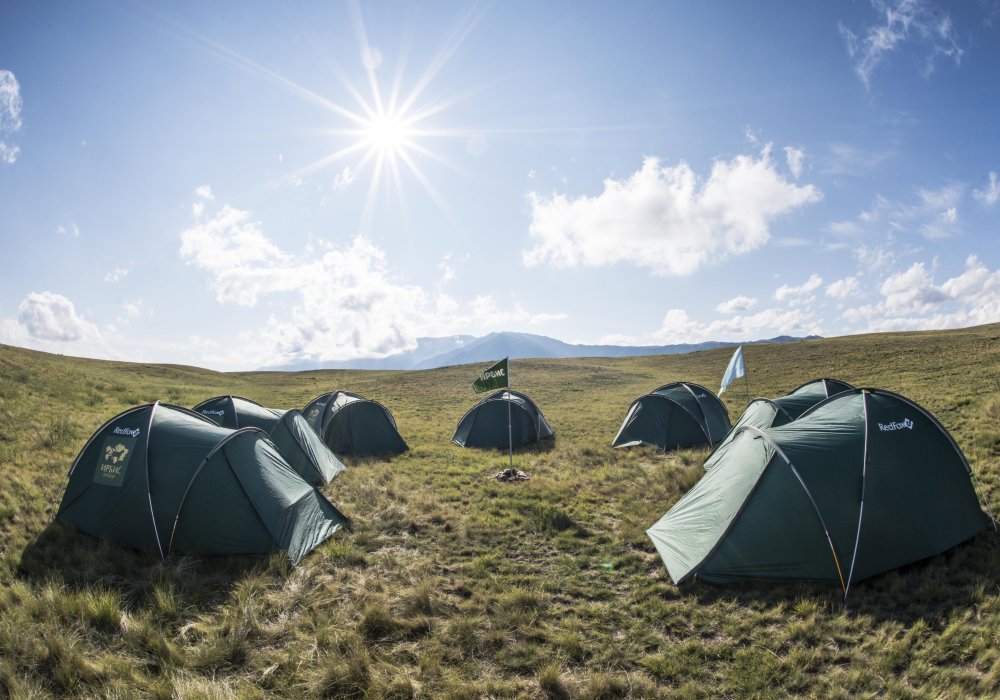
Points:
x=453 y=585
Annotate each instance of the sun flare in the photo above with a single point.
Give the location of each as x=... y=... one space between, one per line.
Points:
x=387 y=133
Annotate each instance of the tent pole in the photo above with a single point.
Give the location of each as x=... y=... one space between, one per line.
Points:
x=746 y=382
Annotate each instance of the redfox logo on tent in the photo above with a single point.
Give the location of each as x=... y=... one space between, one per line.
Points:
x=905 y=424
x=131 y=432
x=208 y=412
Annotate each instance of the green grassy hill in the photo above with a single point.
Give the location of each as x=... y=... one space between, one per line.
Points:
x=452 y=585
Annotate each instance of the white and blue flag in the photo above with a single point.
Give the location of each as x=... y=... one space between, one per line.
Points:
x=735 y=370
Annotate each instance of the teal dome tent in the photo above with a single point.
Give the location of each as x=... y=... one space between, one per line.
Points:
x=351 y=424
x=237 y=412
x=864 y=482
x=485 y=424
x=163 y=479
x=771 y=413
x=675 y=415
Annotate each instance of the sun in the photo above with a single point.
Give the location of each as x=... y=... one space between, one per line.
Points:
x=388 y=134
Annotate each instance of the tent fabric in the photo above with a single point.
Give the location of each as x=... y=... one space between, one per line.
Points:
x=802 y=398
x=771 y=413
x=485 y=424
x=351 y=424
x=681 y=414
x=299 y=444
x=237 y=412
x=864 y=482
x=162 y=479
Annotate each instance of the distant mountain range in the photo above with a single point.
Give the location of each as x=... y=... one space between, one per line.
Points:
x=431 y=353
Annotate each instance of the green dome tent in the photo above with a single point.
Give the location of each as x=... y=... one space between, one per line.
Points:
x=162 y=479
x=801 y=399
x=485 y=424
x=237 y=412
x=299 y=444
x=681 y=414
x=771 y=413
x=862 y=483
x=351 y=424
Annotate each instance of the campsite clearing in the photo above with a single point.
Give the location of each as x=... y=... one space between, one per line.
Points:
x=452 y=584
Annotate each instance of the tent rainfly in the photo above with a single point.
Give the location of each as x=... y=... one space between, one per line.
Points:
x=351 y=424
x=864 y=482
x=237 y=412
x=299 y=444
x=681 y=414
x=485 y=425
x=161 y=479
x=770 y=413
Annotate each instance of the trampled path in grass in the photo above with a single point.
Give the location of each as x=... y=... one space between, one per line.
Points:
x=453 y=585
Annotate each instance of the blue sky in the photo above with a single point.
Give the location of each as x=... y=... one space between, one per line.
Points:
x=249 y=184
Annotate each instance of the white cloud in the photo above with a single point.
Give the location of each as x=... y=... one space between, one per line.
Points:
x=844 y=288
x=666 y=218
x=785 y=291
x=345 y=302
x=448 y=264
x=50 y=322
x=902 y=21
x=10 y=116
x=934 y=215
x=50 y=316
x=874 y=257
x=736 y=304
x=990 y=194
x=911 y=300
x=116 y=275
x=678 y=327
x=73 y=231
x=795 y=158
x=344 y=178
x=202 y=194
x=615 y=339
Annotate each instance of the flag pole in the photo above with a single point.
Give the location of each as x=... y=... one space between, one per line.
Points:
x=746 y=380
x=510 y=432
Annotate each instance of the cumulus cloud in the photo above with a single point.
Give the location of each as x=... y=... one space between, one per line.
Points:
x=912 y=300
x=345 y=301
x=666 y=218
x=736 y=304
x=49 y=321
x=786 y=291
x=914 y=22
x=678 y=327
x=990 y=194
x=844 y=288
x=795 y=158
x=10 y=116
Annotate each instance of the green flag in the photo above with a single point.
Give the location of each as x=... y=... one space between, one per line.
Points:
x=493 y=378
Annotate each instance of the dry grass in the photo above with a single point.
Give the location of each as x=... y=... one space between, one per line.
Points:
x=452 y=585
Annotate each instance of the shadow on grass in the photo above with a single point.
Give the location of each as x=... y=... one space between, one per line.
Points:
x=77 y=561
x=929 y=590
x=540 y=447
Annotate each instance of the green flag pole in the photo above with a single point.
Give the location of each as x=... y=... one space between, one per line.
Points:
x=510 y=432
